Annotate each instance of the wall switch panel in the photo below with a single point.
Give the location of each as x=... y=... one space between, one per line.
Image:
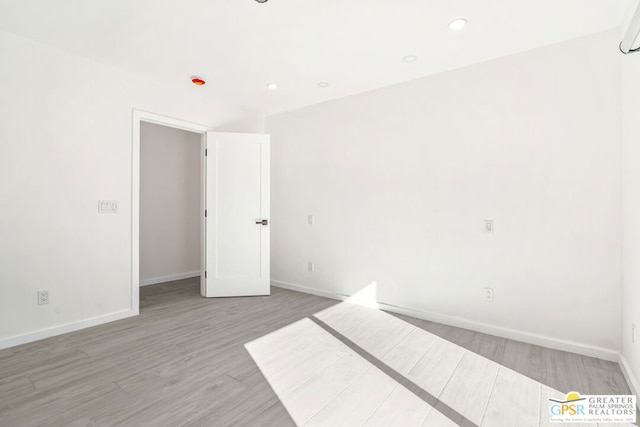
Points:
x=107 y=206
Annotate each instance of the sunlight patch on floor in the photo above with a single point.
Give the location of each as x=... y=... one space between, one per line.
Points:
x=367 y=296
x=322 y=381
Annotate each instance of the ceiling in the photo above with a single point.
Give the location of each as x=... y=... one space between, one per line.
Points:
x=355 y=45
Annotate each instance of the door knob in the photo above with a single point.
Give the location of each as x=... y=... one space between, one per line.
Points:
x=262 y=222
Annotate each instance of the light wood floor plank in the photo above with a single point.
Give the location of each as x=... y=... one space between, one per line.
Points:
x=401 y=408
x=375 y=331
x=357 y=402
x=470 y=386
x=435 y=368
x=315 y=394
x=514 y=401
x=404 y=356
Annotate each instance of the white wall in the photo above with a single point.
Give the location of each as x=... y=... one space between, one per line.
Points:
x=169 y=203
x=65 y=143
x=631 y=211
x=400 y=180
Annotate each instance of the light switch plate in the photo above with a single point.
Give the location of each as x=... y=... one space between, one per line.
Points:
x=107 y=206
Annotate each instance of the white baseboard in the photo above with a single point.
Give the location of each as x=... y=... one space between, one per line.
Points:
x=63 y=329
x=459 y=322
x=632 y=380
x=156 y=280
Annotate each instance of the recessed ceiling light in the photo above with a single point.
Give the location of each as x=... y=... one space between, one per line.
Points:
x=457 y=24
x=323 y=84
x=410 y=58
x=262 y=1
x=272 y=86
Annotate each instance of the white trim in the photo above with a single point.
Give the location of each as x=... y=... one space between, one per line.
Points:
x=307 y=290
x=66 y=328
x=135 y=211
x=159 y=119
x=633 y=382
x=156 y=280
x=145 y=116
x=499 y=331
x=203 y=218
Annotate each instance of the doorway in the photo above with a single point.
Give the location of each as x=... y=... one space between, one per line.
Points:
x=143 y=208
x=170 y=188
x=234 y=190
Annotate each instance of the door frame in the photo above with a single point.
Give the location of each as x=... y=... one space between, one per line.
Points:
x=140 y=116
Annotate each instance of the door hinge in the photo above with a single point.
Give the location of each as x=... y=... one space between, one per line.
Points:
x=206 y=151
x=205 y=213
x=205 y=274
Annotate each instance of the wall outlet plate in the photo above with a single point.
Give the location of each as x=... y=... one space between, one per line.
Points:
x=488 y=226
x=43 y=297
x=488 y=294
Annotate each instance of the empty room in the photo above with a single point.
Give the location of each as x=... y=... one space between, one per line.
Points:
x=319 y=213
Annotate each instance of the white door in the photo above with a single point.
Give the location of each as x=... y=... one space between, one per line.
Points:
x=237 y=221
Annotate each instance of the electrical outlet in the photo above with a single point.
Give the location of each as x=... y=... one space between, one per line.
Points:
x=488 y=226
x=43 y=297
x=310 y=219
x=634 y=331
x=310 y=267
x=488 y=294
